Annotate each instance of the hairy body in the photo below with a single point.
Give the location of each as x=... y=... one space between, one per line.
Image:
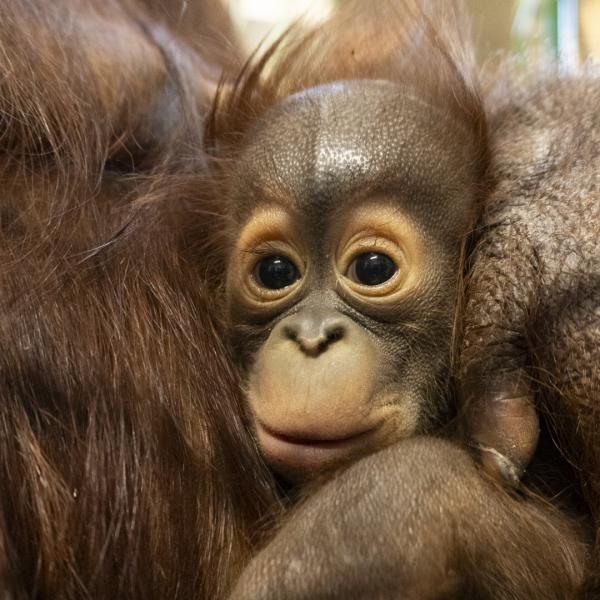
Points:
x=119 y=469
x=126 y=467
x=531 y=315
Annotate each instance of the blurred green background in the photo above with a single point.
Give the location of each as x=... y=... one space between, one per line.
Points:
x=565 y=29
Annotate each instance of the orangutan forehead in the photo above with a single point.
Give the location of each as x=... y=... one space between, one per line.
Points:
x=332 y=141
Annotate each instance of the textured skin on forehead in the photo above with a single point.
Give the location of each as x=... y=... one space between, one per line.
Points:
x=326 y=144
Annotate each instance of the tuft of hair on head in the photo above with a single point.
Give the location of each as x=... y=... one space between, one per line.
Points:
x=422 y=45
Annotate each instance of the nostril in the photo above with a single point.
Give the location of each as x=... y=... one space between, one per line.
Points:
x=290 y=333
x=335 y=334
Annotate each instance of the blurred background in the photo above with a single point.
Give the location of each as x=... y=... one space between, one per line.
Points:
x=565 y=29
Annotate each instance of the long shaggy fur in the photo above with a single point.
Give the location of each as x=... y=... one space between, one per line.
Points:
x=125 y=470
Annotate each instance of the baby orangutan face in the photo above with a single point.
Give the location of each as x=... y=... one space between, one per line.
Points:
x=352 y=201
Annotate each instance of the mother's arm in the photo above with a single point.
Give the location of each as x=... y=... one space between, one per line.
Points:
x=418 y=520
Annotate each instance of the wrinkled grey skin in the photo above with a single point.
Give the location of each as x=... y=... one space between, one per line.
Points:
x=419 y=520
x=326 y=147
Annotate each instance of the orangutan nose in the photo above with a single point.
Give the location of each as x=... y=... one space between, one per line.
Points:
x=315 y=331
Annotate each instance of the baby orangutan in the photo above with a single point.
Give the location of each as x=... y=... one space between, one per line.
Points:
x=349 y=166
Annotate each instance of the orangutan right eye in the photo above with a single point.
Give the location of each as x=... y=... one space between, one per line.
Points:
x=371 y=268
x=276 y=272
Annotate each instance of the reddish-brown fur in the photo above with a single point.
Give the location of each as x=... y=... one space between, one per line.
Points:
x=125 y=470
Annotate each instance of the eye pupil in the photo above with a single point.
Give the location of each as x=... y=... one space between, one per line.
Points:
x=276 y=272
x=372 y=268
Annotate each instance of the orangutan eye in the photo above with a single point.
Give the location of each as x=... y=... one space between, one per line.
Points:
x=371 y=268
x=276 y=272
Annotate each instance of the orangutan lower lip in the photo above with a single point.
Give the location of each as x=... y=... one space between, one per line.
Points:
x=286 y=449
x=312 y=441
